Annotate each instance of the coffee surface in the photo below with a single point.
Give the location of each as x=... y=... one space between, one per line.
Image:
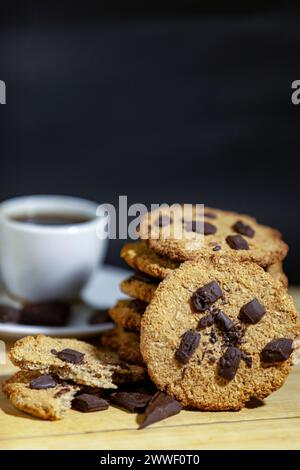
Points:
x=52 y=219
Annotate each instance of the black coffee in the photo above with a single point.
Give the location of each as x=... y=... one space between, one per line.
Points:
x=52 y=219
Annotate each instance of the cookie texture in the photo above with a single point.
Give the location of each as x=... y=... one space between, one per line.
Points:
x=276 y=271
x=139 y=289
x=226 y=234
x=139 y=256
x=126 y=343
x=128 y=313
x=49 y=403
x=71 y=359
x=203 y=334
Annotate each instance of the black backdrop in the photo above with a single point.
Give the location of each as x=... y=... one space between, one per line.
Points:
x=171 y=105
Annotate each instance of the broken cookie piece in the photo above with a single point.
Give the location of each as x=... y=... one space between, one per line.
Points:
x=38 y=395
x=74 y=360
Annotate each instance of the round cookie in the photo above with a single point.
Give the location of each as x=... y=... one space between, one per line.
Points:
x=226 y=234
x=125 y=343
x=139 y=256
x=207 y=341
x=128 y=313
x=140 y=286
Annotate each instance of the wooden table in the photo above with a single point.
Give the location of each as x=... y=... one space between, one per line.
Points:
x=275 y=425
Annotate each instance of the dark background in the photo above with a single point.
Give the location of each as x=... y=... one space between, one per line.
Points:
x=179 y=103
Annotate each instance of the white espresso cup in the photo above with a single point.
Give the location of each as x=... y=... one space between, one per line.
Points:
x=49 y=262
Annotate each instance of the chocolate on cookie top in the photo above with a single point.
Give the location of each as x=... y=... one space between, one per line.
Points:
x=225 y=234
x=216 y=334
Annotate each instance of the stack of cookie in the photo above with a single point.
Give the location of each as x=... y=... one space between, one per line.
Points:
x=209 y=314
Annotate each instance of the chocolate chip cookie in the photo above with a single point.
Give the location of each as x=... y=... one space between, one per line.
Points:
x=75 y=360
x=140 y=257
x=128 y=313
x=40 y=395
x=218 y=333
x=225 y=234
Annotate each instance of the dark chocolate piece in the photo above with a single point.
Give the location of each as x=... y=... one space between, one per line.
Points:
x=206 y=321
x=277 y=350
x=161 y=406
x=243 y=229
x=217 y=248
x=43 y=382
x=206 y=296
x=209 y=229
x=188 y=344
x=87 y=403
x=229 y=363
x=135 y=402
x=70 y=355
x=223 y=320
x=237 y=242
x=252 y=312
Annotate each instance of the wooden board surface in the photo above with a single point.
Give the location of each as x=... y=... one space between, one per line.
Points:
x=275 y=425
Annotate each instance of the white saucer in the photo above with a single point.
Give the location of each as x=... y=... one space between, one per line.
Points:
x=101 y=292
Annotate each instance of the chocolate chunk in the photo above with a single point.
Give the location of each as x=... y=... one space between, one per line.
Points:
x=70 y=355
x=252 y=312
x=188 y=344
x=206 y=296
x=234 y=336
x=243 y=229
x=46 y=314
x=100 y=316
x=86 y=403
x=213 y=337
x=161 y=406
x=135 y=402
x=143 y=277
x=210 y=215
x=217 y=248
x=163 y=220
x=139 y=306
x=54 y=352
x=200 y=227
x=223 y=320
x=43 y=382
x=247 y=359
x=209 y=229
x=194 y=226
x=208 y=320
x=9 y=314
x=229 y=363
x=277 y=350
x=237 y=242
